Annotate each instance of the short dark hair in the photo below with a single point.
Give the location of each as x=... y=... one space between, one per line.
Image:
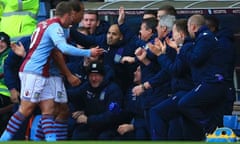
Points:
x=181 y=25
x=151 y=23
x=169 y=9
x=212 y=22
x=76 y=5
x=63 y=8
x=92 y=12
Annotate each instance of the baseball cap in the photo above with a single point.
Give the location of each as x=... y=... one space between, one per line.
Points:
x=96 y=67
x=4 y=37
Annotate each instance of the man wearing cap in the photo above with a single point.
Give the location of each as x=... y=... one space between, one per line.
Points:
x=5 y=101
x=97 y=106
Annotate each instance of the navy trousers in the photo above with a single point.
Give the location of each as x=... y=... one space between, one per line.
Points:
x=165 y=120
x=202 y=109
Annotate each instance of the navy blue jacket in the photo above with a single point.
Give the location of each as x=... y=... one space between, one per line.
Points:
x=136 y=42
x=179 y=70
x=102 y=28
x=225 y=41
x=204 y=58
x=133 y=108
x=228 y=55
x=134 y=104
x=155 y=94
x=12 y=65
x=101 y=105
x=162 y=79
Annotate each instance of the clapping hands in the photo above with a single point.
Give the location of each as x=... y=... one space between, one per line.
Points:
x=158 y=47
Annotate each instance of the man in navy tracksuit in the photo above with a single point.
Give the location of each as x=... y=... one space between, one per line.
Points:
x=80 y=69
x=98 y=106
x=165 y=115
x=159 y=81
x=202 y=106
x=228 y=54
x=134 y=108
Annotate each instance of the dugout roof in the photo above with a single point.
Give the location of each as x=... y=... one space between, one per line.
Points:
x=183 y=6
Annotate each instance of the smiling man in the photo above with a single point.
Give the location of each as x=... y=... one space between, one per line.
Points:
x=97 y=106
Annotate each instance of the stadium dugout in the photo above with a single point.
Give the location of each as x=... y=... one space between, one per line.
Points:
x=227 y=11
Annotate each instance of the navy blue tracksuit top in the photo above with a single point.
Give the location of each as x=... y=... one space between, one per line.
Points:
x=204 y=59
x=95 y=102
x=179 y=69
x=203 y=106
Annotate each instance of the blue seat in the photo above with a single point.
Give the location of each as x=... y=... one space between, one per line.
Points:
x=43 y=12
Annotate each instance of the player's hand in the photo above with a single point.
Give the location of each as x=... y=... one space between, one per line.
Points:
x=96 y=51
x=73 y=80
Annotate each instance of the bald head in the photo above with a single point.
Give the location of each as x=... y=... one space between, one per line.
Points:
x=194 y=23
x=198 y=20
x=115 y=27
x=114 y=35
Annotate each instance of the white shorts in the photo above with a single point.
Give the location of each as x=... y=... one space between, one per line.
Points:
x=58 y=89
x=35 y=88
